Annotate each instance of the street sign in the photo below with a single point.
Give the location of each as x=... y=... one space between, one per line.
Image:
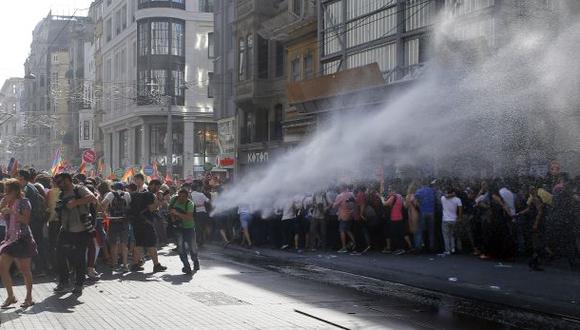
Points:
x=148 y=170
x=89 y=156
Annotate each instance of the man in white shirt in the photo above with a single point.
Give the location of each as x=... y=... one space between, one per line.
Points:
x=116 y=204
x=508 y=198
x=452 y=212
x=201 y=216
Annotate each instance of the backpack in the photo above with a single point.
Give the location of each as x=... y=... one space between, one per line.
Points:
x=138 y=207
x=118 y=207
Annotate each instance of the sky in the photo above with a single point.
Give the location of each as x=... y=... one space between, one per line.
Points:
x=18 y=19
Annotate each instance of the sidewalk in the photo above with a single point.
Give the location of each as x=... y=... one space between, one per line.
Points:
x=554 y=291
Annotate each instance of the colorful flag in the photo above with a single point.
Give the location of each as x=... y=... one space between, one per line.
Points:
x=129 y=173
x=83 y=168
x=56 y=161
x=101 y=166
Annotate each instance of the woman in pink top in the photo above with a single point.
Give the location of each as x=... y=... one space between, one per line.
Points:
x=19 y=246
x=395 y=228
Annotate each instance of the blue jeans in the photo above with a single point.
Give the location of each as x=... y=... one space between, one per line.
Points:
x=186 y=244
x=426 y=222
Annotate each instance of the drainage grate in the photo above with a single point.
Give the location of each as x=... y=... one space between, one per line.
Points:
x=215 y=299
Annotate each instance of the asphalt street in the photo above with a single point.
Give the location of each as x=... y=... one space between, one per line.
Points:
x=234 y=291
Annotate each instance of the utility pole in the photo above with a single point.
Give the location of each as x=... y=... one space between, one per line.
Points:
x=169 y=137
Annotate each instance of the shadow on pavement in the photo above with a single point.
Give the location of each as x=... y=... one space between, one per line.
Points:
x=177 y=279
x=56 y=303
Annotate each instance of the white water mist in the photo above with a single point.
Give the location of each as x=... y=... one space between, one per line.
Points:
x=471 y=104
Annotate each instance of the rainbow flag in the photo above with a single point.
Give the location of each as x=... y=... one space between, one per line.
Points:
x=56 y=162
x=129 y=173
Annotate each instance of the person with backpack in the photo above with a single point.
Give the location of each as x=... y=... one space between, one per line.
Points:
x=142 y=215
x=38 y=218
x=346 y=204
x=75 y=232
x=115 y=205
x=181 y=209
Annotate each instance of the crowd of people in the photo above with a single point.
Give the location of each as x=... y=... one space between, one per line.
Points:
x=64 y=225
x=535 y=219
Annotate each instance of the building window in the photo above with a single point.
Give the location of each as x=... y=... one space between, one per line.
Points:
x=159 y=38
x=279 y=59
x=263 y=62
x=295 y=68
x=157 y=142
x=242 y=60
x=144 y=39
x=250 y=56
x=205 y=139
x=138 y=143
x=109 y=29
x=277 y=124
x=86 y=130
x=124 y=17
x=180 y=4
x=210 y=85
x=159 y=81
x=177 y=39
x=152 y=83
x=308 y=65
x=210 y=45
x=117 y=22
x=178 y=82
x=206 y=6
x=297 y=7
x=123 y=148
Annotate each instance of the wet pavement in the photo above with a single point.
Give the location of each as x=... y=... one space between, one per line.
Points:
x=434 y=304
x=241 y=290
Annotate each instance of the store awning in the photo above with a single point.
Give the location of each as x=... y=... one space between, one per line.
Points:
x=342 y=83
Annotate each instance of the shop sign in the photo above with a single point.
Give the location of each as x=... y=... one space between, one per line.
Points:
x=258 y=157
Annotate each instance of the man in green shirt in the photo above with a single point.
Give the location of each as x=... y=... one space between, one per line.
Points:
x=181 y=209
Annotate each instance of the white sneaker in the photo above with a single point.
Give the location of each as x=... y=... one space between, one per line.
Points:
x=92 y=273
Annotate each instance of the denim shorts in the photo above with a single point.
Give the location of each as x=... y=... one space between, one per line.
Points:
x=118 y=232
x=344 y=225
x=245 y=220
